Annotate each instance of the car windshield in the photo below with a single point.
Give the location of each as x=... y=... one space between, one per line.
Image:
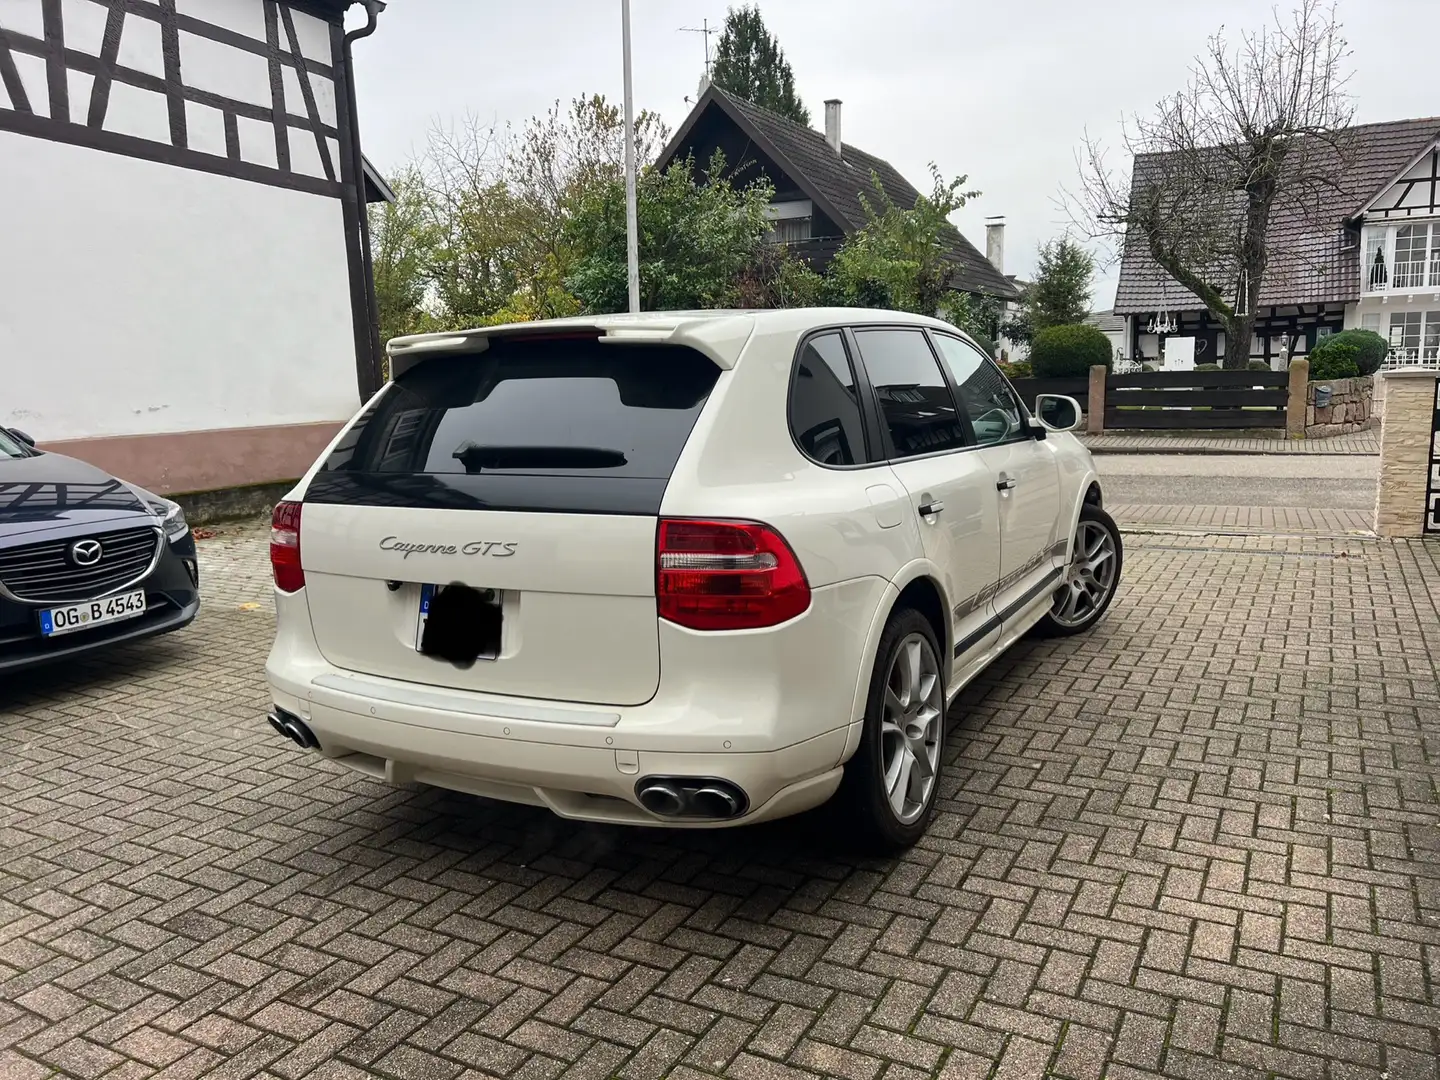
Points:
x=11 y=447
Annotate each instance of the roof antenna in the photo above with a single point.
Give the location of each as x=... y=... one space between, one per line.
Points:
x=706 y=30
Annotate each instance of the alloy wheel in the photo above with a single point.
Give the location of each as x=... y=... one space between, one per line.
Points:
x=1090 y=577
x=911 y=728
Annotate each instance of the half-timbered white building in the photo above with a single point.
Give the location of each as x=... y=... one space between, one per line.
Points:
x=1368 y=257
x=184 y=293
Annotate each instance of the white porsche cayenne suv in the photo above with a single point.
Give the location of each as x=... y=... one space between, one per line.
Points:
x=689 y=569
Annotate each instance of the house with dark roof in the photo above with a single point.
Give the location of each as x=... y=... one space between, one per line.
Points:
x=819 y=181
x=1367 y=256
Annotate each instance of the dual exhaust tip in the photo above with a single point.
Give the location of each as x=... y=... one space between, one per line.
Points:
x=694 y=799
x=293 y=728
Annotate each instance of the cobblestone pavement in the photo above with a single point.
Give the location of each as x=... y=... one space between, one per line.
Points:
x=1256 y=519
x=1362 y=442
x=1199 y=842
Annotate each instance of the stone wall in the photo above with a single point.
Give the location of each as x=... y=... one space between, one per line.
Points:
x=1405 y=449
x=1351 y=407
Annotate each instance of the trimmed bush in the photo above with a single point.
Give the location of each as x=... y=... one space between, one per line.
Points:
x=1020 y=369
x=1371 y=348
x=1207 y=367
x=1257 y=365
x=1334 y=361
x=1069 y=352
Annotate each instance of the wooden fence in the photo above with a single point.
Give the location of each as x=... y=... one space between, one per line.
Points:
x=1177 y=400
x=1197 y=399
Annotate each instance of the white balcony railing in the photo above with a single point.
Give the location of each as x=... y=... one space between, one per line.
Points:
x=1403 y=276
x=1423 y=357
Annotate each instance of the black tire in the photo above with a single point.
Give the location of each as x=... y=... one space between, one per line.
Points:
x=1050 y=625
x=862 y=796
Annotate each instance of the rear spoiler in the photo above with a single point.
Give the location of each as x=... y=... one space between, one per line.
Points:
x=721 y=338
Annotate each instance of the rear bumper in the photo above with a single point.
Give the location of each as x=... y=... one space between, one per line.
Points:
x=582 y=782
x=777 y=729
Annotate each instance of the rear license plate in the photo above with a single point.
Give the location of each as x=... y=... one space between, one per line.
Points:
x=470 y=630
x=72 y=617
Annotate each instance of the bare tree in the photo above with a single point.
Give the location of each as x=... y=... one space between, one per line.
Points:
x=1256 y=137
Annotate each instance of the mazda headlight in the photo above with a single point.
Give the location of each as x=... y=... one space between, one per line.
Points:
x=172 y=519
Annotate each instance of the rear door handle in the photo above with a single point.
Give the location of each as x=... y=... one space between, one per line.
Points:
x=930 y=509
x=1005 y=483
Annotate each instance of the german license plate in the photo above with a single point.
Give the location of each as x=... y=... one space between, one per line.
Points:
x=481 y=629
x=66 y=620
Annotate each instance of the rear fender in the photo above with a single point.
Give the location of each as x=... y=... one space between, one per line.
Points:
x=920 y=568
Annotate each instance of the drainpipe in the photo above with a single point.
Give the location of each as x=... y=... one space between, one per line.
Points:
x=357 y=167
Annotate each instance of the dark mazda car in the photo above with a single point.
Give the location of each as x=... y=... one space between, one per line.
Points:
x=86 y=560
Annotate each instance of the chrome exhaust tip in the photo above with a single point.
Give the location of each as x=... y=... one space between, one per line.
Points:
x=662 y=799
x=714 y=802
x=293 y=728
x=692 y=798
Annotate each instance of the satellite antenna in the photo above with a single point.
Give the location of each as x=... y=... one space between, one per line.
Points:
x=704 y=29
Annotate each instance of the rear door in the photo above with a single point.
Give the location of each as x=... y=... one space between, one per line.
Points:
x=952 y=493
x=1027 y=479
x=513 y=495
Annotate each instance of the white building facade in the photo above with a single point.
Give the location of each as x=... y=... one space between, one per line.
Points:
x=184 y=298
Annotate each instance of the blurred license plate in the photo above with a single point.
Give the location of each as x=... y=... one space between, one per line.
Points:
x=65 y=620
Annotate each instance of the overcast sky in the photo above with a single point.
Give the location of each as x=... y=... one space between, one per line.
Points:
x=1001 y=90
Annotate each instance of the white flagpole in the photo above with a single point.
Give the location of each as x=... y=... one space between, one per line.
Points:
x=632 y=242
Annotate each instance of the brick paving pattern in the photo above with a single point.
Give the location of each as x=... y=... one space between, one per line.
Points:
x=1200 y=842
x=1361 y=442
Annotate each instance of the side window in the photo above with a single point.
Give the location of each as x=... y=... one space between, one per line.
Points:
x=825 y=405
x=914 y=399
x=986 y=397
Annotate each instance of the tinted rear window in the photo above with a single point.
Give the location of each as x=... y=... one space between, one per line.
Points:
x=567 y=426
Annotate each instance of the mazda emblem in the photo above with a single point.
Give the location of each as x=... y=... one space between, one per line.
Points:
x=86 y=552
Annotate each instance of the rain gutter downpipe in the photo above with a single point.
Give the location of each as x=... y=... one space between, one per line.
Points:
x=357 y=168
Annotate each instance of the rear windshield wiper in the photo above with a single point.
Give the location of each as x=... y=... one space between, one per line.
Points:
x=479 y=458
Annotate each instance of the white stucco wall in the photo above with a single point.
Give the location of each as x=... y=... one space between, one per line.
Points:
x=138 y=298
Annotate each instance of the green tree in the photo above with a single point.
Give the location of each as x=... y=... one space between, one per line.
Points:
x=750 y=64
x=402 y=244
x=900 y=258
x=696 y=239
x=1060 y=294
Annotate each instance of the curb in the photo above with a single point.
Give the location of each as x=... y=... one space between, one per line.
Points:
x=1203 y=451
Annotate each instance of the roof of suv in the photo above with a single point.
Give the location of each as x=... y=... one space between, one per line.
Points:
x=719 y=334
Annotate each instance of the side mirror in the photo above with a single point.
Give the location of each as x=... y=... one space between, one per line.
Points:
x=1058 y=412
x=26 y=439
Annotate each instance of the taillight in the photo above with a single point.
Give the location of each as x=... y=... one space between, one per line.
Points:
x=285 y=547
x=727 y=575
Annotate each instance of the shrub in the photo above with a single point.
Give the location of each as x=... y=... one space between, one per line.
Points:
x=1147 y=367
x=1257 y=365
x=1207 y=367
x=1372 y=348
x=1067 y=352
x=1020 y=369
x=1334 y=360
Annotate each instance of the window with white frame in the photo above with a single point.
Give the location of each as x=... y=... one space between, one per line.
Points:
x=1415 y=335
x=1370 y=321
x=1402 y=258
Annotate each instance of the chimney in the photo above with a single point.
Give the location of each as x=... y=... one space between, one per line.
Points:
x=995 y=242
x=832 y=125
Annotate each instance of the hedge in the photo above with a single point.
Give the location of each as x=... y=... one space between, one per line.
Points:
x=1065 y=352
